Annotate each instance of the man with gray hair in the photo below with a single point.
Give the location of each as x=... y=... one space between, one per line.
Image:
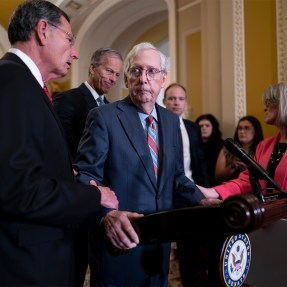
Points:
x=73 y=106
x=41 y=205
x=132 y=146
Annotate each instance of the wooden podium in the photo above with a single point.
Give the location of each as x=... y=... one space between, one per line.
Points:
x=223 y=224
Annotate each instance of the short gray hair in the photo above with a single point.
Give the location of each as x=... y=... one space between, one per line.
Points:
x=141 y=47
x=98 y=55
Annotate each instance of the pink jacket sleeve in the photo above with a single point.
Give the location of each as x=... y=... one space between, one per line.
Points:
x=262 y=156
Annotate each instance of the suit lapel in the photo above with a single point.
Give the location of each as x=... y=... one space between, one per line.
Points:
x=163 y=132
x=130 y=121
x=88 y=97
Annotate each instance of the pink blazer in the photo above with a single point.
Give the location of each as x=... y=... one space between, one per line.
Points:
x=262 y=156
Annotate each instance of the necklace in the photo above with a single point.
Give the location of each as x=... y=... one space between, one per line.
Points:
x=278 y=152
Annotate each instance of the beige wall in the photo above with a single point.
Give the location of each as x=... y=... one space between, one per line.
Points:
x=261 y=54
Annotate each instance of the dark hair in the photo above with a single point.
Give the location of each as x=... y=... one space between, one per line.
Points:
x=171 y=86
x=216 y=133
x=27 y=15
x=258 y=136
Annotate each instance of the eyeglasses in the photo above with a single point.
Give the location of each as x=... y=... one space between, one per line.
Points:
x=151 y=73
x=71 y=38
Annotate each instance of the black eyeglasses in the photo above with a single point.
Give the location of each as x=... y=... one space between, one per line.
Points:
x=151 y=73
x=71 y=38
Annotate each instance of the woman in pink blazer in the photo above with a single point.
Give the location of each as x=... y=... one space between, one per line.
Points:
x=270 y=153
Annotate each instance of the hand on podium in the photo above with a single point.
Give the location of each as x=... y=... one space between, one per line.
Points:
x=120 y=232
x=210 y=202
x=208 y=192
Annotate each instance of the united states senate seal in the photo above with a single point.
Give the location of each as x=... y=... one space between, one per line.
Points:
x=236 y=260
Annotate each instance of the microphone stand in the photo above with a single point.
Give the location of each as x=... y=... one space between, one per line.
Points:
x=257 y=190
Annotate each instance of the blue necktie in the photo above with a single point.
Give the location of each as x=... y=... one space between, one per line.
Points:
x=152 y=142
x=100 y=101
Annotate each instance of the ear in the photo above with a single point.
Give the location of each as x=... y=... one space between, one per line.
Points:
x=164 y=80
x=126 y=80
x=92 y=69
x=42 y=32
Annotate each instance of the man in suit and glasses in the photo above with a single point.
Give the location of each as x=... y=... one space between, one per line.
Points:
x=41 y=205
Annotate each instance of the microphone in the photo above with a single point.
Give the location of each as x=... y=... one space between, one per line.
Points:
x=254 y=168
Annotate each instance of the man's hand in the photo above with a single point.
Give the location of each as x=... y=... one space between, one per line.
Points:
x=210 y=202
x=119 y=229
x=108 y=197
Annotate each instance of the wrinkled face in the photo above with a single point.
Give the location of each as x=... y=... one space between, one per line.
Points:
x=60 y=51
x=145 y=79
x=246 y=132
x=175 y=100
x=104 y=77
x=206 y=129
x=271 y=113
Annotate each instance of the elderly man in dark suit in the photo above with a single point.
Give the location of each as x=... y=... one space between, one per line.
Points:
x=41 y=205
x=73 y=106
x=132 y=146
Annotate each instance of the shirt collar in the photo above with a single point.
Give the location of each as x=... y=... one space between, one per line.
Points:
x=29 y=63
x=93 y=91
x=143 y=115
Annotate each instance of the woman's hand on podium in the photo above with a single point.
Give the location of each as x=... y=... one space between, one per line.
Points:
x=208 y=192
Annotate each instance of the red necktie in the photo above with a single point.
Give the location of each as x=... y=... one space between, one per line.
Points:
x=48 y=93
x=152 y=142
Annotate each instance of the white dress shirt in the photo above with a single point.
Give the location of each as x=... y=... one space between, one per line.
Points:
x=186 y=150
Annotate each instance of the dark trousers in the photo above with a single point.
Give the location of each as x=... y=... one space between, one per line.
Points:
x=193 y=261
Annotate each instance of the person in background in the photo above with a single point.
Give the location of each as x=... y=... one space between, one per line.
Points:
x=175 y=100
x=270 y=153
x=73 y=106
x=183 y=253
x=132 y=146
x=248 y=134
x=41 y=205
x=212 y=143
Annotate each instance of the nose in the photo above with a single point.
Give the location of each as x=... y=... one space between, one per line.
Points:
x=74 y=53
x=114 y=77
x=143 y=76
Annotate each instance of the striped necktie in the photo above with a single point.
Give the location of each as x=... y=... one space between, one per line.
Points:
x=48 y=93
x=152 y=142
x=100 y=101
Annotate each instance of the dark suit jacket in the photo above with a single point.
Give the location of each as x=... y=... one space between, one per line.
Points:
x=197 y=153
x=40 y=203
x=114 y=151
x=72 y=108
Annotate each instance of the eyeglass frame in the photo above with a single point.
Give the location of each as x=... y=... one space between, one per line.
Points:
x=148 y=76
x=71 y=37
